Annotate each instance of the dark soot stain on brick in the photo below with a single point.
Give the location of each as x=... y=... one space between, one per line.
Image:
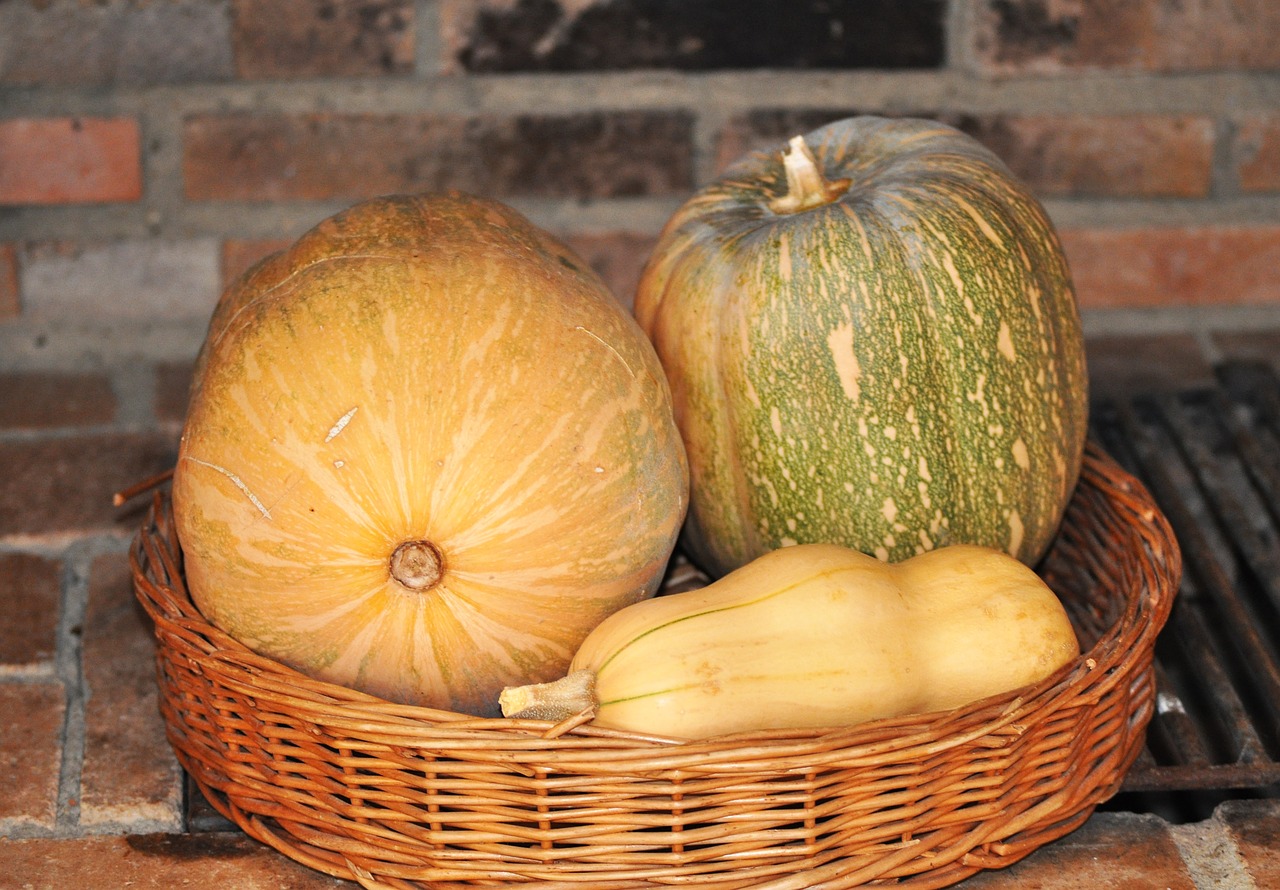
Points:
x=537 y=35
x=189 y=848
x=1026 y=28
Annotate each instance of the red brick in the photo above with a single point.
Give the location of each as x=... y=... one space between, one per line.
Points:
x=618 y=258
x=64 y=485
x=228 y=860
x=44 y=399
x=320 y=38
x=238 y=255
x=1056 y=155
x=1258 y=153
x=130 y=773
x=1121 y=850
x=1045 y=36
x=1133 y=155
x=1147 y=267
x=247 y=157
x=69 y=42
x=69 y=160
x=1255 y=827
x=10 y=306
x=30 y=593
x=30 y=754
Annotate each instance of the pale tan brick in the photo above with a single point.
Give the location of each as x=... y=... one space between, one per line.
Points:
x=138 y=280
x=117 y=42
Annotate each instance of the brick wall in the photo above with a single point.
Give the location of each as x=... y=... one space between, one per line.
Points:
x=149 y=150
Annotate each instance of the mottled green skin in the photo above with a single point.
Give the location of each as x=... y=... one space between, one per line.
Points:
x=894 y=371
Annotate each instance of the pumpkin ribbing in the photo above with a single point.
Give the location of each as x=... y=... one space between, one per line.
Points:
x=896 y=369
x=426 y=452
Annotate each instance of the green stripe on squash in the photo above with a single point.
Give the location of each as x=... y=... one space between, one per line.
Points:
x=892 y=363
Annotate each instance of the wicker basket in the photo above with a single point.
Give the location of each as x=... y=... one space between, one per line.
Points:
x=397 y=796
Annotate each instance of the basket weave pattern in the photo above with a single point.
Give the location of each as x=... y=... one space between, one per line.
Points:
x=394 y=796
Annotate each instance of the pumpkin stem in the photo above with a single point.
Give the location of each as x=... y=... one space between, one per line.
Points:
x=554 y=701
x=806 y=186
x=417 y=565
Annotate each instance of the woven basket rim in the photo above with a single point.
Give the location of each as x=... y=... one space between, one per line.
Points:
x=1117 y=664
x=1004 y=708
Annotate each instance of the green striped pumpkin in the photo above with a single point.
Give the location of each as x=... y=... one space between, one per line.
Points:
x=872 y=339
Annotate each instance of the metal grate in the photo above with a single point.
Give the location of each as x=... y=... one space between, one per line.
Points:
x=1211 y=458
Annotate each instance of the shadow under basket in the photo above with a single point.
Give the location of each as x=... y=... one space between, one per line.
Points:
x=397 y=796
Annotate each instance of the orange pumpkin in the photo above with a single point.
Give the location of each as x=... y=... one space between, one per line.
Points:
x=426 y=453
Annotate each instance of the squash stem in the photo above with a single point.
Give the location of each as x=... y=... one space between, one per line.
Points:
x=555 y=701
x=806 y=186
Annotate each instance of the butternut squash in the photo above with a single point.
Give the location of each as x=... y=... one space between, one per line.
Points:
x=814 y=635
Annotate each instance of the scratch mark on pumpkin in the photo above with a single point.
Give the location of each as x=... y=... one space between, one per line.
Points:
x=283 y=286
x=236 y=481
x=607 y=345
x=293 y=483
x=340 y=424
